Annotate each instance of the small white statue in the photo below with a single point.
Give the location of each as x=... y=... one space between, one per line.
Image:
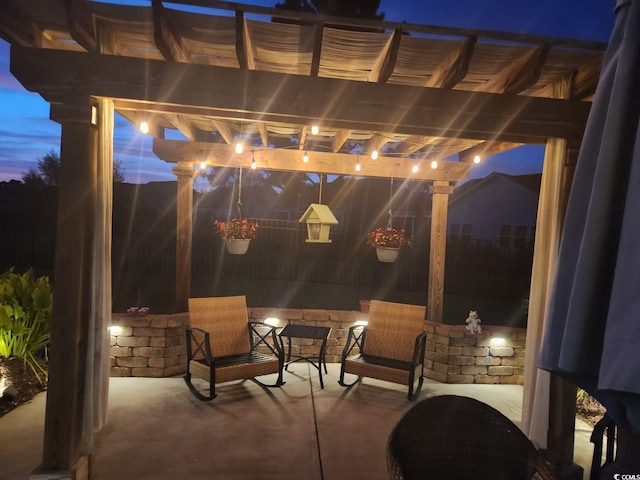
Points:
x=473 y=322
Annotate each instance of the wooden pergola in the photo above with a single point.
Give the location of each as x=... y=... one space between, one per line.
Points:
x=208 y=74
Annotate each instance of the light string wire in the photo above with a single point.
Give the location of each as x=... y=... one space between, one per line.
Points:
x=390 y=222
x=240 y=194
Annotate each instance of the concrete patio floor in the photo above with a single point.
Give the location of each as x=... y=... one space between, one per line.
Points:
x=158 y=430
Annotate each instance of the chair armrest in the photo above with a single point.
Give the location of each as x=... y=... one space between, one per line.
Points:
x=355 y=338
x=269 y=333
x=418 y=349
x=198 y=338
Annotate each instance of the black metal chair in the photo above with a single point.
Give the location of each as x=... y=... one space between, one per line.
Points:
x=450 y=437
x=622 y=456
x=222 y=345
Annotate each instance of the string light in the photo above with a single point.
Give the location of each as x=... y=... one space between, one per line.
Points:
x=415 y=168
x=144 y=127
x=253 y=162
x=315 y=130
x=374 y=155
x=305 y=157
x=434 y=164
x=476 y=159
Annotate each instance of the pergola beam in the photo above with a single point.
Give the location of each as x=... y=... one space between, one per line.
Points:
x=269 y=96
x=282 y=159
x=166 y=35
x=455 y=66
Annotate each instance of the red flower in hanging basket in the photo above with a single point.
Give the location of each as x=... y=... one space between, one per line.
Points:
x=235 y=229
x=388 y=237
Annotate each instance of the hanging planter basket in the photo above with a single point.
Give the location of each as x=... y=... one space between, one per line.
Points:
x=238 y=246
x=387 y=254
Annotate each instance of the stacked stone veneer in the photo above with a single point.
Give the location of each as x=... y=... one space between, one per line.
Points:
x=148 y=346
x=454 y=355
x=155 y=345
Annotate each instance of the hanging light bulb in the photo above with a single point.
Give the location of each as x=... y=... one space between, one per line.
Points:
x=315 y=130
x=374 y=155
x=476 y=159
x=203 y=165
x=143 y=127
x=358 y=165
x=415 y=168
x=434 y=164
x=253 y=162
x=239 y=148
x=305 y=157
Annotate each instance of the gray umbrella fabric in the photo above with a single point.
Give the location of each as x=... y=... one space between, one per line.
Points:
x=592 y=334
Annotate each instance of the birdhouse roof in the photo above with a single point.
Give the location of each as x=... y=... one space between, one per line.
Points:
x=319 y=212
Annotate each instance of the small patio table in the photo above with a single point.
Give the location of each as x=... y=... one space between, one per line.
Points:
x=307 y=331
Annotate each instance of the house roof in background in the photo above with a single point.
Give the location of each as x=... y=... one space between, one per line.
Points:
x=529 y=182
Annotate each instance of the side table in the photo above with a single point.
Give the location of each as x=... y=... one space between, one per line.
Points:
x=307 y=331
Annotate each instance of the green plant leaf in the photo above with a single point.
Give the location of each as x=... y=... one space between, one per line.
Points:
x=6 y=312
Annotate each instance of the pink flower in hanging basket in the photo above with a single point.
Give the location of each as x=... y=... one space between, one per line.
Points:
x=235 y=229
x=388 y=237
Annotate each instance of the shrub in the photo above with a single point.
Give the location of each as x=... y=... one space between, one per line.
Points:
x=25 y=317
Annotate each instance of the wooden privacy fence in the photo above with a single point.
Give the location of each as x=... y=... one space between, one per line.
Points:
x=280 y=253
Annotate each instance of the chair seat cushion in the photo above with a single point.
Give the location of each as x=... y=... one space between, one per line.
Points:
x=389 y=370
x=237 y=367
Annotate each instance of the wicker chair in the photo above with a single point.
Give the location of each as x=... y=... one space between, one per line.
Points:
x=391 y=346
x=450 y=437
x=221 y=345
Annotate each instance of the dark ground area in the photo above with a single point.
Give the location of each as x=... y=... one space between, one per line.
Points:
x=14 y=372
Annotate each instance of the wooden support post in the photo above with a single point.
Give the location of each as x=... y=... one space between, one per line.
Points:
x=184 y=233
x=562 y=426
x=435 y=294
x=66 y=451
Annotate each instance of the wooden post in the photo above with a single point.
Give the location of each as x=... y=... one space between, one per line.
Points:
x=184 y=233
x=435 y=294
x=65 y=449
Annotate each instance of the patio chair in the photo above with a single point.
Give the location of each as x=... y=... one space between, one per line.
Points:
x=451 y=437
x=390 y=347
x=222 y=343
x=621 y=453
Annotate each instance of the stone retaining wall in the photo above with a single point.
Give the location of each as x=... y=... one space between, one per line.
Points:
x=148 y=346
x=154 y=345
x=454 y=355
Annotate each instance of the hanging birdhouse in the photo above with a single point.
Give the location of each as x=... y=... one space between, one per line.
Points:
x=319 y=220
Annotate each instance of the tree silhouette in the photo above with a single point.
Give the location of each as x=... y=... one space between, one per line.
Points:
x=47 y=173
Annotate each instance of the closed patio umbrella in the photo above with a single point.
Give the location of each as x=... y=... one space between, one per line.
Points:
x=592 y=335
